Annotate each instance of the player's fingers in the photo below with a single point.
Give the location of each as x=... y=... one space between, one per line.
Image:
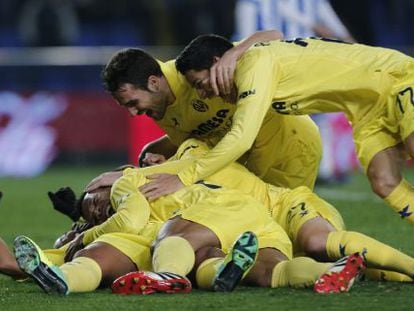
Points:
x=213 y=79
x=220 y=81
x=226 y=82
x=148 y=188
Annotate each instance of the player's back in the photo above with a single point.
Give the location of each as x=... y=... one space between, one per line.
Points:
x=320 y=75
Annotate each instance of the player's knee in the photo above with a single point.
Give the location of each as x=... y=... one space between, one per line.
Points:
x=315 y=246
x=382 y=182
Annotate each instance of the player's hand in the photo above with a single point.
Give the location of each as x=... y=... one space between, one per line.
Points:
x=64 y=201
x=151 y=159
x=222 y=73
x=76 y=229
x=74 y=246
x=104 y=180
x=160 y=185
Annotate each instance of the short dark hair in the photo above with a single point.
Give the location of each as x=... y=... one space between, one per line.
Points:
x=199 y=53
x=130 y=65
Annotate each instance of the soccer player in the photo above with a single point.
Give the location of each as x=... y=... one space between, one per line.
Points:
x=372 y=86
x=145 y=86
x=315 y=227
x=136 y=222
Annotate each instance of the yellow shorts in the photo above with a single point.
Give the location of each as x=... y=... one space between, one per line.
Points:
x=228 y=213
x=287 y=154
x=392 y=124
x=135 y=247
x=292 y=208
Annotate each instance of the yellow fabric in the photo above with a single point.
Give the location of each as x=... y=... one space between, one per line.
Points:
x=213 y=208
x=292 y=209
x=207 y=271
x=82 y=274
x=173 y=254
x=401 y=199
x=135 y=247
x=388 y=276
x=281 y=203
x=280 y=142
x=299 y=272
x=197 y=203
x=56 y=255
x=314 y=76
x=132 y=209
x=377 y=254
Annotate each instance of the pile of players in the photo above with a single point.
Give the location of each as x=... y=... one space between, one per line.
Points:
x=225 y=197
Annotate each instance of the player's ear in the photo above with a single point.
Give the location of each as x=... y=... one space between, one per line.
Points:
x=215 y=59
x=153 y=83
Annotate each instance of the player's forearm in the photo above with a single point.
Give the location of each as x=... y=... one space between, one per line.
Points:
x=259 y=36
x=162 y=146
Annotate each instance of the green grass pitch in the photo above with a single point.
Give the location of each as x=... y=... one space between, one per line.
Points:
x=25 y=210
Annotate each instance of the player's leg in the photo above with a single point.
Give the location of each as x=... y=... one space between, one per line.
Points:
x=184 y=237
x=173 y=258
x=317 y=230
x=8 y=263
x=273 y=269
x=384 y=174
x=409 y=144
x=97 y=263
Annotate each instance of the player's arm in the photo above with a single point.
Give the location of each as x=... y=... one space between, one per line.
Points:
x=163 y=146
x=255 y=81
x=222 y=72
x=132 y=209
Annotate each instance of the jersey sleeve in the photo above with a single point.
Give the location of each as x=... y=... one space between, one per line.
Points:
x=256 y=77
x=132 y=209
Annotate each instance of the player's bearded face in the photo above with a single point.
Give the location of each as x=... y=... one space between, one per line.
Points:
x=138 y=101
x=200 y=80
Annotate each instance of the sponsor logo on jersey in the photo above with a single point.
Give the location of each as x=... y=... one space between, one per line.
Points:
x=199 y=105
x=247 y=93
x=211 y=124
x=286 y=108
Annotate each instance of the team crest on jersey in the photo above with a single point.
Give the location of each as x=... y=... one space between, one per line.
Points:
x=199 y=105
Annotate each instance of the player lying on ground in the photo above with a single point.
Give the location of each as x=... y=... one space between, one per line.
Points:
x=135 y=223
x=372 y=86
x=144 y=85
x=314 y=226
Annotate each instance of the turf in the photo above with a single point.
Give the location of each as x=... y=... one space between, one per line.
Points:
x=25 y=210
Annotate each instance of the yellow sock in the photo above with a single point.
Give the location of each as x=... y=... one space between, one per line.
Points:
x=82 y=274
x=401 y=200
x=384 y=275
x=207 y=271
x=173 y=254
x=377 y=254
x=298 y=273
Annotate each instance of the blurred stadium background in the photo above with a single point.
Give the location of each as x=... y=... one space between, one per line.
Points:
x=53 y=109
